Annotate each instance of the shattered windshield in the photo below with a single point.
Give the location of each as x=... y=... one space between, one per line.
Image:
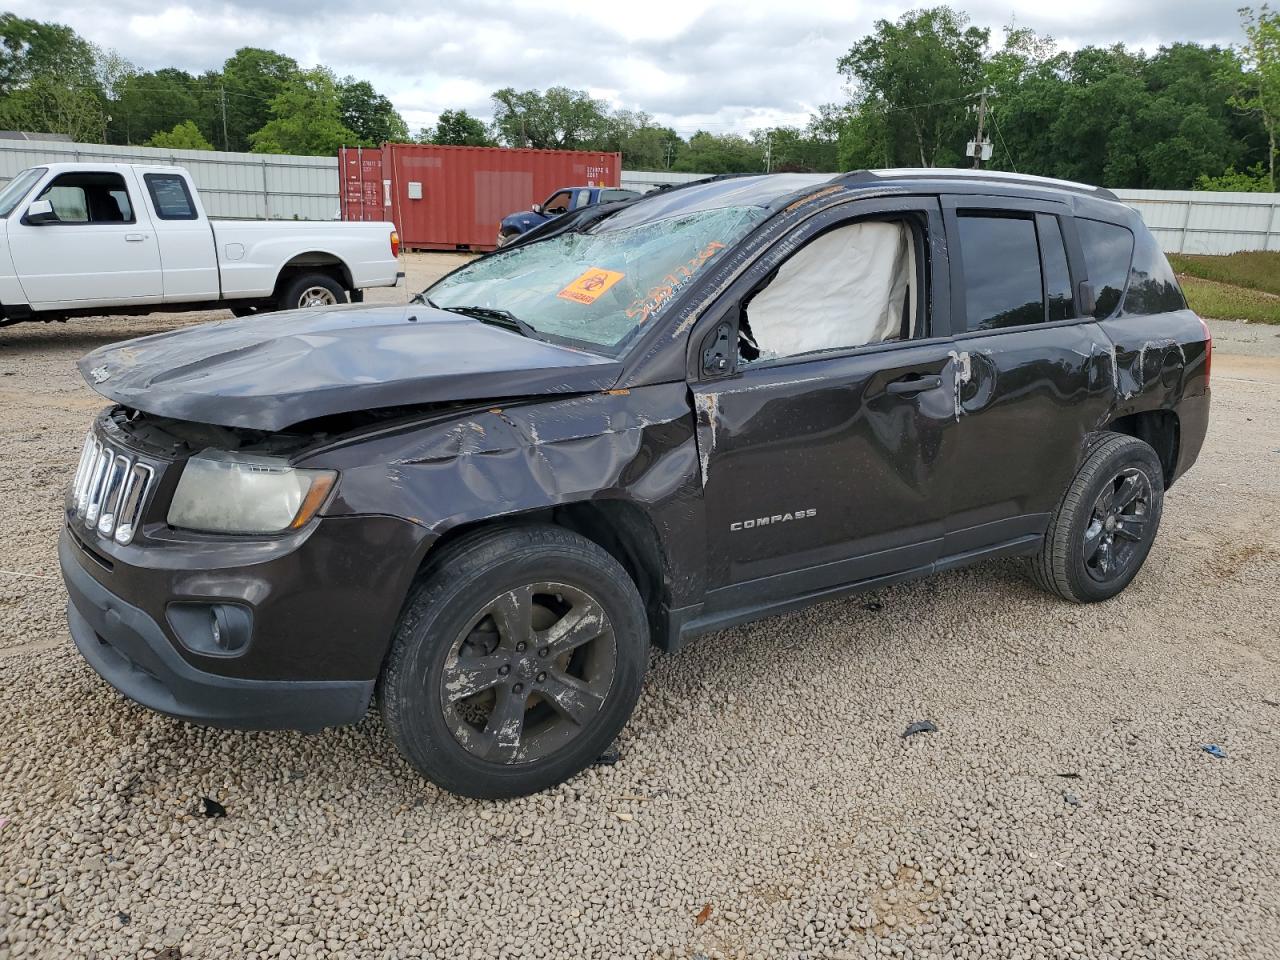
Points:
x=600 y=285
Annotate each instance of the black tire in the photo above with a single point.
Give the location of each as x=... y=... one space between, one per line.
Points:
x=1087 y=557
x=452 y=620
x=299 y=292
x=504 y=237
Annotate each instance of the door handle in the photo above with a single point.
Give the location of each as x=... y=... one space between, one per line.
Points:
x=134 y=237
x=918 y=385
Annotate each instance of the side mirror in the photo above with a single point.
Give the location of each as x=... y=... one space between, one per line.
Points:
x=40 y=211
x=536 y=208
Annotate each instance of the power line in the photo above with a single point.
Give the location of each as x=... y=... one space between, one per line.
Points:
x=995 y=123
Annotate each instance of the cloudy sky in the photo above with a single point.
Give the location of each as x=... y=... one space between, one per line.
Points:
x=725 y=67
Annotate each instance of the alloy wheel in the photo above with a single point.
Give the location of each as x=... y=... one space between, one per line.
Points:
x=1118 y=525
x=529 y=673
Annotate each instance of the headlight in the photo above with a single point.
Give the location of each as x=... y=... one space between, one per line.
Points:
x=244 y=493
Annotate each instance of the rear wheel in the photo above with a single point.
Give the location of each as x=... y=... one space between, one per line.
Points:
x=311 y=290
x=504 y=237
x=1105 y=525
x=518 y=660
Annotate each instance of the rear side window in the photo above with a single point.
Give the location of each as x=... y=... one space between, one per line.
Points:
x=1002 y=282
x=1152 y=286
x=1108 y=249
x=170 y=196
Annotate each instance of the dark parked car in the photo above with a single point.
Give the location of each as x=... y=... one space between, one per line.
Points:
x=650 y=421
x=559 y=203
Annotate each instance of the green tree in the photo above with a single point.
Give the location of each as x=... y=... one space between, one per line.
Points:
x=459 y=129
x=720 y=153
x=184 y=136
x=1260 y=95
x=559 y=119
x=154 y=101
x=305 y=118
x=251 y=80
x=918 y=76
x=30 y=49
x=643 y=144
x=50 y=80
x=1254 y=180
x=369 y=114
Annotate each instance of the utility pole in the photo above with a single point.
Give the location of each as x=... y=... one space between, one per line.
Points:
x=979 y=148
x=768 y=152
x=222 y=96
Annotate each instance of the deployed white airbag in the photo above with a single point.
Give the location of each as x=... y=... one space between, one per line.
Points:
x=845 y=289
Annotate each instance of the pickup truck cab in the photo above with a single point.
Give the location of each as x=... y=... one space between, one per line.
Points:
x=559 y=203
x=84 y=238
x=648 y=421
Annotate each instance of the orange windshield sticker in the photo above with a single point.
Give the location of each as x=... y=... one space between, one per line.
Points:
x=653 y=301
x=589 y=287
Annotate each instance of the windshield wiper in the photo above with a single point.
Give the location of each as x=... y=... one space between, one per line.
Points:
x=497 y=317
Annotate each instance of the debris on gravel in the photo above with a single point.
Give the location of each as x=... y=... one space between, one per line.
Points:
x=756 y=774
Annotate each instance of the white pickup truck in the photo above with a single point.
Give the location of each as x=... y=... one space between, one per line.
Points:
x=89 y=238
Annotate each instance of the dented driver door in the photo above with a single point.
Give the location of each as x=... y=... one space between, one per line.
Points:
x=826 y=469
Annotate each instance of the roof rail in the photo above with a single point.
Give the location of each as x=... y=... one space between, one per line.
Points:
x=959 y=173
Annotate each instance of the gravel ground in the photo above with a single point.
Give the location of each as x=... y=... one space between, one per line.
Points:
x=766 y=803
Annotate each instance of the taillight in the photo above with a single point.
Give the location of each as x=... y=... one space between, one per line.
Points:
x=395 y=244
x=1208 y=349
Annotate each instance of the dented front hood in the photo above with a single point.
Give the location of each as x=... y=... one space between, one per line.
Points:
x=271 y=371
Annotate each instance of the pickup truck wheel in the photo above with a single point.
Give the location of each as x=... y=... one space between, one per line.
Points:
x=504 y=237
x=517 y=661
x=311 y=290
x=1105 y=525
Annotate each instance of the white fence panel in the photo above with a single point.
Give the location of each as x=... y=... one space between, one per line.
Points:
x=1199 y=221
x=249 y=186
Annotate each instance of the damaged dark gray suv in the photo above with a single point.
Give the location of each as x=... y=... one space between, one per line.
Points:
x=639 y=422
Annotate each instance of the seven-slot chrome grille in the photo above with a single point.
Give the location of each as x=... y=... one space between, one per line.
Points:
x=110 y=490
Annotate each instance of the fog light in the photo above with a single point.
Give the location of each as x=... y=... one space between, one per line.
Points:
x=213 y=629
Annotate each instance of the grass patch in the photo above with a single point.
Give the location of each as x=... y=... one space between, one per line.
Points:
x=1222 y=301
x=1255 y=269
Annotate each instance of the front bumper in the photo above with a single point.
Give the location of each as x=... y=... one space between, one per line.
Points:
x=130 y=650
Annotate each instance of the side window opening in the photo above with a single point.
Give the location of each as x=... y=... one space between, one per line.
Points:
x=849 y=287
x=1003 y=283
x=557 y=203
x=1108 y=250
x=170 y=196
x=89 y=198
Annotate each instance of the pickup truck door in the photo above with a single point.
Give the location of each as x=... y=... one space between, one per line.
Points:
x=187 y=247
x=101 y=251
x=826 y=468
x=1035 y=374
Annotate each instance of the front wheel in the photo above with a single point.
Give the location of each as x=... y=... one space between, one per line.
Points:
x=1105 y=525
x=517 y=661
x=311 y=290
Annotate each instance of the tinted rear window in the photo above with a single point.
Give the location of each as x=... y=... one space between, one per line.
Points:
x=1152 y=286
x=1108 y=249
x=1002 y=285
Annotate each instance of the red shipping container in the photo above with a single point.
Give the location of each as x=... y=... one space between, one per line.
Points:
x=453 y=198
